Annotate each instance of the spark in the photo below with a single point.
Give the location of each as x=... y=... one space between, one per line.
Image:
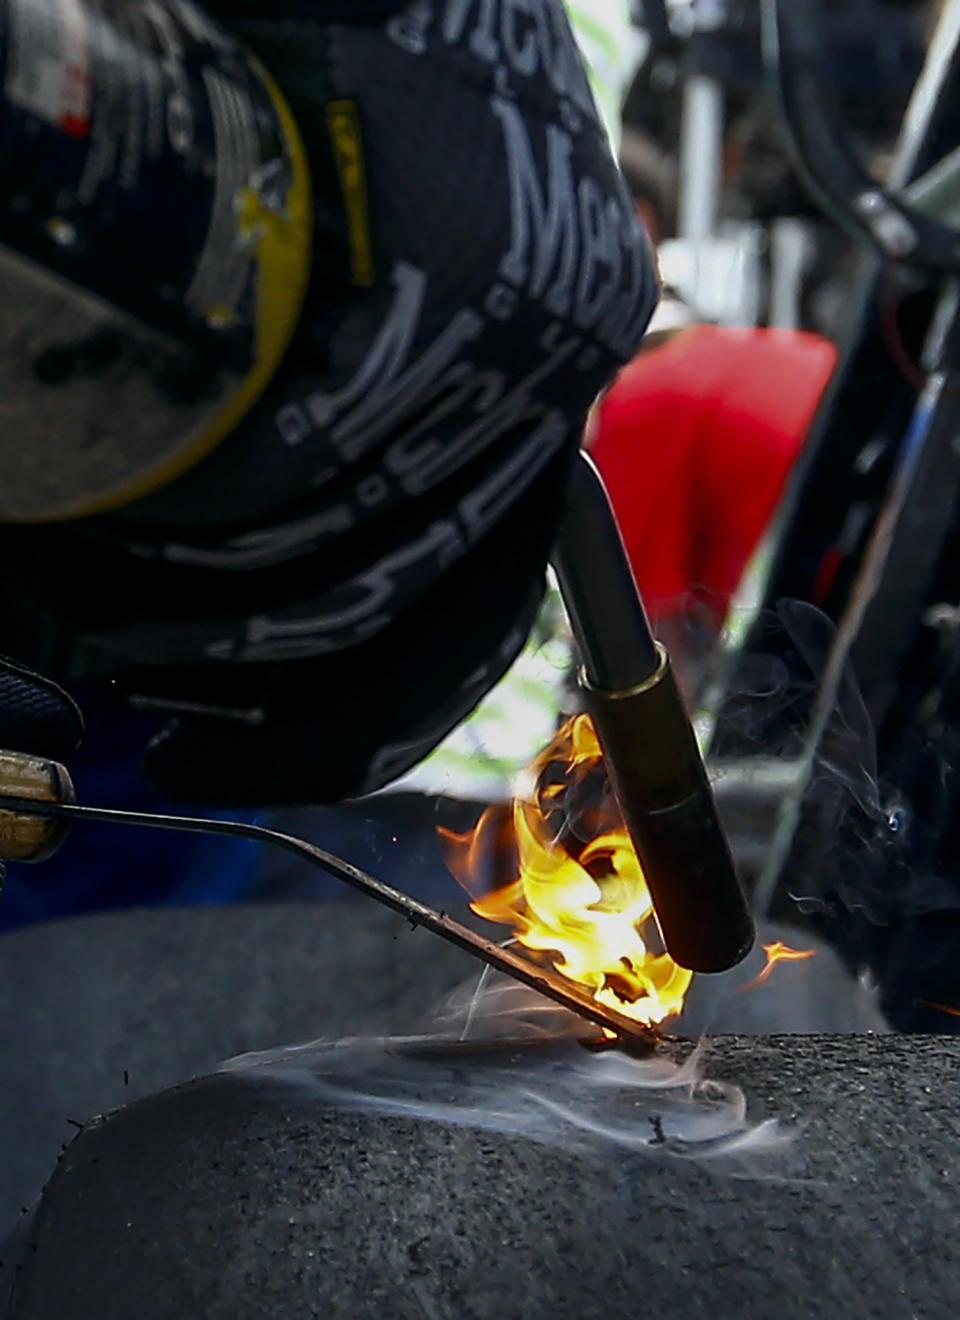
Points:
x=941 y=1008
x=777 y=953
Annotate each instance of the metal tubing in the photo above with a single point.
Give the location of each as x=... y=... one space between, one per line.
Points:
x=546 y=982
x=661 y=784
x=649 y=745
x=701 y=163
x=599 y=589
x=825 y=153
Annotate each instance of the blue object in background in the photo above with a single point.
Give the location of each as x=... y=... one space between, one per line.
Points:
x=112 y=866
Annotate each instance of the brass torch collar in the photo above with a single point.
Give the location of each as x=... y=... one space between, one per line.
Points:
x=648 y=739
x=661 y=783
x=32 y=838
x=659 y=675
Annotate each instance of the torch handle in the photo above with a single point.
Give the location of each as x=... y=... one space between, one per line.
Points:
x=649 y=746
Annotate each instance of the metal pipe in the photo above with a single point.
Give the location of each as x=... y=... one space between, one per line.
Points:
x=649 y=746
x=546 y=982
x=701 y=164
x=599 y=590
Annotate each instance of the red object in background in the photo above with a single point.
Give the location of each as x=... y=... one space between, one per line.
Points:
x=695 y=441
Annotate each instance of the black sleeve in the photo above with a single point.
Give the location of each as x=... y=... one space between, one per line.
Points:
x=36 y=715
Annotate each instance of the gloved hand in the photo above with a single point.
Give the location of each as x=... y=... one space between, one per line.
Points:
x=349 y=570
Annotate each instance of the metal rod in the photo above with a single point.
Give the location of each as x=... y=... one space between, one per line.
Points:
x=545 y=982
x=701 y=156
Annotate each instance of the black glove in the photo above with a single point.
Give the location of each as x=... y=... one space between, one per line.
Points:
x=338 y=582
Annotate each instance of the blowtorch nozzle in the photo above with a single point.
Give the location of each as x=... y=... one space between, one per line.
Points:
x=649 y=746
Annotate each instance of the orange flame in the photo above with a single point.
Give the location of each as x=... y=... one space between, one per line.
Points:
x=778 y=953
x=578 y=898
x=941 y=1008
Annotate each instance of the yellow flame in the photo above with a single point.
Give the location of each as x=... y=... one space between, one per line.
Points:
x=778 y=953
x=585 y=908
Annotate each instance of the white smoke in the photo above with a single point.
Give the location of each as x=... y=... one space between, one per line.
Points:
x=499 y=1058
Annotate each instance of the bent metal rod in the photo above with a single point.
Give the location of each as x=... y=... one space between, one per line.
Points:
x=543 y=980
